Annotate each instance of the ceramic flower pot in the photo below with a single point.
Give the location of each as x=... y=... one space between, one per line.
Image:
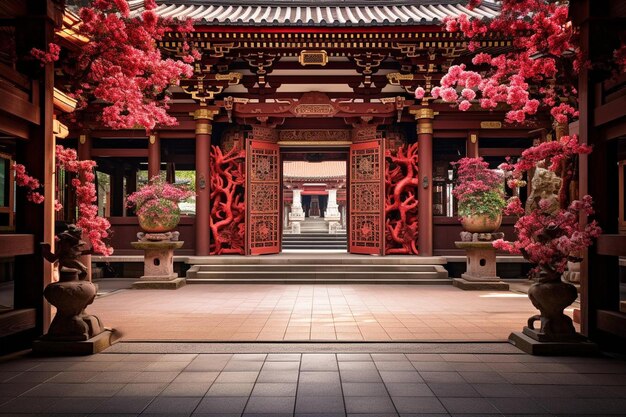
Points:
x=481 y=223
x=158 y=215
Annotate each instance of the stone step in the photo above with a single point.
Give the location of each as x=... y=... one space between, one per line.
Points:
x=286 y=268
x=308 y=259
x=299 y=280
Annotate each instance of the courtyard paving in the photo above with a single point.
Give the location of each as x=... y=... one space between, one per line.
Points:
x=259 y=312
x=336 y=384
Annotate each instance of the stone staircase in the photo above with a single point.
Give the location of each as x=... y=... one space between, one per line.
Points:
x=312 y=268
x=314 y=236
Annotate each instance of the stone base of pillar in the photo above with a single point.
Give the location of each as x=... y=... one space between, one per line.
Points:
x=296 y=216
x=334 y=228
x=468 y=285
x=535 y=347
x=295 y=228
x=172 y=284
x=90 y=346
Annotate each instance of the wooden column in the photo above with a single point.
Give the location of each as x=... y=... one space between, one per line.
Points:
x=203 y=118
x=84 y=153
x=472 y=144
x=154 y=156
x=424 y=117
x=38 y=155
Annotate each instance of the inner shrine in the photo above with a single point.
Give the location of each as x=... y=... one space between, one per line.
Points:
x=317 y=82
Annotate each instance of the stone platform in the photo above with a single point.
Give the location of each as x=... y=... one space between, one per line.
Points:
x=534 y=347
x=471 y=285
x=96 y=344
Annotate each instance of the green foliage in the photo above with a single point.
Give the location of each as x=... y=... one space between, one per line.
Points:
x=488 y=203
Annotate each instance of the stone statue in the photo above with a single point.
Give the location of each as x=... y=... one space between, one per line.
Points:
x=545 y=186
x=73 y=293
x=68 y=249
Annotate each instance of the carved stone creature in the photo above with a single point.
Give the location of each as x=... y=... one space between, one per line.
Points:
x=72 y=294
x=545 y=186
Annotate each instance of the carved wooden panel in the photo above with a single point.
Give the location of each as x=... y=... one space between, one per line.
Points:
x=367 y=162
x=263 y=171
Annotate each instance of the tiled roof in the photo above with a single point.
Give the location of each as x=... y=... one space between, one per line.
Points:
x=316 y=13
x=314 y=170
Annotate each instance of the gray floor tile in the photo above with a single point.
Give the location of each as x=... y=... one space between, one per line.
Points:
x=129 y=366
x=357 y=366
x=517 y=405
x=256 y=357
x=28 y=405
x=453 y=390
x=15 y=389
x=172 y=405
x=604 y=406
x=328 y=414
x=433 y=366
x=360 y=376
x=229 y=377
x=281 y=366
x=400 y=376
x=278 y=376
x=318 y=377
x=500 y=390
x=319 y=404
x=186 y=389
x=221 y=405
x=274 y=389
x=424 y=357
x=318 y=362
x=230 y=390
x=124 y=405
x=394 y=366
x=156 y=376
x=117 y=377
x=364 y=389
x=196 y=377
x=166 y=366
x=459 y=357
x=319 y=389
x=146 y=357
x=270 y=405
x=69 y=405
x=393 y=357
x=206 y=366
x=482 y=377
x=243 y=366
x=283 y=357
x=369 y=405
x=96 y=390
x=33 y=376
x=352 y=357
x=403 y=389
x=141 y=389
x=469 y=406
x=73 y=376
x=448 y=377
x=406 y=405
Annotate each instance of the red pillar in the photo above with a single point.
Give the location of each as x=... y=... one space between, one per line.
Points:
x=424 y=117
x=472 y=145
x=154 y=156
x=84 y=153
x=203 y=118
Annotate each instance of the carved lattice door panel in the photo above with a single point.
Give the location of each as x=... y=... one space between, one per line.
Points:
x=367 y=163
x=263 y=172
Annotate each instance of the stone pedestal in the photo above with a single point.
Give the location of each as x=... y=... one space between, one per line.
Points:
x=331 y=214
x=158 y=261
x=295 y=228
x=296 y=214
x=481 y=264
x=530 y=345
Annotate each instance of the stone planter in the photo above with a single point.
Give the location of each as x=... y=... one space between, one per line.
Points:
x=551 y=298
x=158 y=216
x=481 y=223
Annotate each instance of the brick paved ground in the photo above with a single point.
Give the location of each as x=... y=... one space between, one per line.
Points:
x=314 y=385
x=258 y=312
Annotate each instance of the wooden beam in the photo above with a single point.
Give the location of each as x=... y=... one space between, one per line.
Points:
x=611 y=245
x=119 y=153
x=613 y=322
x=17 y=244
x=16 y=321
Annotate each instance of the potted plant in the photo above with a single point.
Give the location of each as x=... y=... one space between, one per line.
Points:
x=548 y=237
x=156 y=205
x=480 y=195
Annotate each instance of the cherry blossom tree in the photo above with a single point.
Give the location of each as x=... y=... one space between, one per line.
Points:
x=122 y=66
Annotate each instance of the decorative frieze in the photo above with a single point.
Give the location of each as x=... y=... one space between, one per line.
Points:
x=314 y=135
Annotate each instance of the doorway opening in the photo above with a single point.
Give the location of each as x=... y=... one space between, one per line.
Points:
x=315 y=205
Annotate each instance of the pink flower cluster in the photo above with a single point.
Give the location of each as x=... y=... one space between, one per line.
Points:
x=546 y=237
x=95 y=227
x=157 y=189
x=49 y=56
x=474 y=177
x=543 y=41
x=22 y=179
x=122 y=64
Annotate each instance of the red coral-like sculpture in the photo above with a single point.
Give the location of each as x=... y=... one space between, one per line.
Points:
x=401 y=182
x=228 y=208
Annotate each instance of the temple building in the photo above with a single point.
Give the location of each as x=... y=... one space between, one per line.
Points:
x=333 y=81
x=301 y=117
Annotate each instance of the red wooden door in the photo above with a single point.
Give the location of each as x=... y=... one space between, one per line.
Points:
x=366 y=225
x=263 y=172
